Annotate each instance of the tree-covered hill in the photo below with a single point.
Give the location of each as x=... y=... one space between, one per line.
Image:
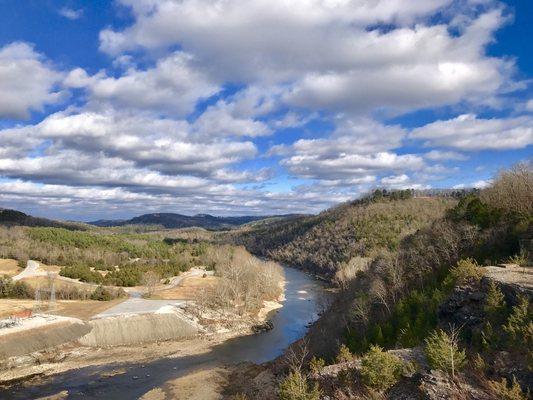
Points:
x=18 y=218
x=329 y=241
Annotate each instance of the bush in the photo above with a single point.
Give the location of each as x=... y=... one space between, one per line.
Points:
x=101 y=294
x=443 y=352
x=380 y=370
x=505 y=392
x=21 y=290
x=316 y=365
x=495 y=306
x=519 y=325
x=296 y=387
x=466 y=270
x=344 y=354
x=17 y=290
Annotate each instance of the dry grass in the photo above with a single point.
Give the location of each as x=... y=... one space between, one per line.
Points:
x=188 y=289
x=9 y=267
x=68 y=308
x=10 y=306
x=43 y=282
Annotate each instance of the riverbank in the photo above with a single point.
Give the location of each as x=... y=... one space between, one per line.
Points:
x=131 y=372
x=104 y=345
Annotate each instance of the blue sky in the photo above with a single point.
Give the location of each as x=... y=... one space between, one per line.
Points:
x=110 y=109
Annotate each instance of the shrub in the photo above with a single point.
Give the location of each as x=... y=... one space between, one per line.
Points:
x=21 y=290
x=380 y=370
x=316 y=365
x=101 y=294
x=519 y=259
x=494 y=302
x=296 y=387
x=519 y=325
x=443 y=352
x=505 y=392
x=479 y=363
x=344 y=354
x=465 y=271
x=17 y=290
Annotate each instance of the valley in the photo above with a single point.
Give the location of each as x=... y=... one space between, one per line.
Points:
x=369 y=298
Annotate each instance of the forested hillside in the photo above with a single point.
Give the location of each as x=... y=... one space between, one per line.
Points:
x=106 y=256
x=336 y=238
x=415 y=282
x=176 y=221
x=18 y=218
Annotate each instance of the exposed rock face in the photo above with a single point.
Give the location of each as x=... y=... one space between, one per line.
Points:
x=513 y=281
x=464 y=307
x=437 y=385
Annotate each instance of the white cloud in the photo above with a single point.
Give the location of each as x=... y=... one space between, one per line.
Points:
x=220 y=120
x=71 y=13
x=27 y=81
x=173 y=86
x=468 y=133
x=335 y=59
x=439 y=155
x=117 y=148
x=481 y=184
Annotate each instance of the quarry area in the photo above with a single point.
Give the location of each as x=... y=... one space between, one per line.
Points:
x=46 y=336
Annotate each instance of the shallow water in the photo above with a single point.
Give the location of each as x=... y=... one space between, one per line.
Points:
x=303 y=299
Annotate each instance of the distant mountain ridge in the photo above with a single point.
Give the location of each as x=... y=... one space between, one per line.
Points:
x=10 y=217
x=173 y=220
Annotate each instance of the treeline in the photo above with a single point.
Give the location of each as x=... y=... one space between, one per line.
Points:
x=244 y=281
x=10 y=289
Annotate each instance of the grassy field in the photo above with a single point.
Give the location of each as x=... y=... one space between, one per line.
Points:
x=188 y=289
x=68 y=308
x=9 y=267
x=42 y=282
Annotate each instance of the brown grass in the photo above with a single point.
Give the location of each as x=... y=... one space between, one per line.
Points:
x=188 y=289
x=68 y=308
x=10 y=306
x=9 y=267
x=42 y=281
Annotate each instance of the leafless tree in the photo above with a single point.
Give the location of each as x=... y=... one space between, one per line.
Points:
x=150 y=279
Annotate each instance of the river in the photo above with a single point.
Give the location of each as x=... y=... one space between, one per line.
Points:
x=303 y=300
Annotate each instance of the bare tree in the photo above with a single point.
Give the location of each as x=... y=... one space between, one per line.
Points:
x=150 y=279
x=378 y=291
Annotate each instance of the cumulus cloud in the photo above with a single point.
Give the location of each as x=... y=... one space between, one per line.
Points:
x=27 y=81
x=173 y=86
x=356 y=148
x=120 y=149
x=468 y=132
x=336 y=57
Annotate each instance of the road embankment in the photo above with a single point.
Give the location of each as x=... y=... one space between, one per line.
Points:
x=130 y=330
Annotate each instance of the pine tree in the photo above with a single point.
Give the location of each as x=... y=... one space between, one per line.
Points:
x=443 y=352
x=296 y=387
x=495 y=305
x=380 y=370
x=519 y=325
x=344 y=354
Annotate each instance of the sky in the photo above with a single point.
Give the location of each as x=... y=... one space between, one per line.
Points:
x=110 y=109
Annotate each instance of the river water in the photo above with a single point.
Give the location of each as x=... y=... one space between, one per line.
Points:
x=303 y=299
